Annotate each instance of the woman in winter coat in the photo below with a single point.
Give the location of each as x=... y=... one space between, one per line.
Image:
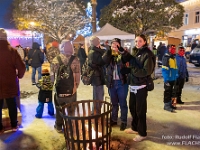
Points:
x=142 y=63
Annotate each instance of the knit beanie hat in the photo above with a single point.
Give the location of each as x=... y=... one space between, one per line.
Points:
x=3 y=34
x=66 y=47
x=45 y=72
x=94 y=41
x=116 y=40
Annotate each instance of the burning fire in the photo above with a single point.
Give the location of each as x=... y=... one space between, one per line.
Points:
x=94 y=147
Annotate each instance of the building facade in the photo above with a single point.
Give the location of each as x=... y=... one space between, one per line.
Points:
x=190 y=30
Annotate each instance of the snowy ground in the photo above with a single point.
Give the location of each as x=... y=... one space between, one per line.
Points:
x=181 y=129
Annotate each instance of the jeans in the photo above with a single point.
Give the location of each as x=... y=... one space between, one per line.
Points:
x=27 y=67
x=98 y=94
x=12 y=109
x=39 y=70
x=40 y=108
x=138 y=110
x=118 y=94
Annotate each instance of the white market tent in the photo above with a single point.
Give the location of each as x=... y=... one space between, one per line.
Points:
x=108 y=32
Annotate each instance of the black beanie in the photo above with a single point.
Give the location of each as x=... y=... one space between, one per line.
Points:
x=116 y=40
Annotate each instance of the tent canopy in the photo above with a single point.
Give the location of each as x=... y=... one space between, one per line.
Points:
x=79 y=39
x=108 y=32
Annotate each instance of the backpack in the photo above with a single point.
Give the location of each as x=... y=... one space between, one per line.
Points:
x=87 y=74
x=149 y=80
x=51 y=53
x=65 y=79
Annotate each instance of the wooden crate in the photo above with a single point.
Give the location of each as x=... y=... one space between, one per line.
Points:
x=6 y=118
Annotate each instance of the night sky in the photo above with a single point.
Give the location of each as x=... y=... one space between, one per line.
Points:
x=5 y=21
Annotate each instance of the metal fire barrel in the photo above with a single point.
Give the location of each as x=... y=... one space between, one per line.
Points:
x=84 y=127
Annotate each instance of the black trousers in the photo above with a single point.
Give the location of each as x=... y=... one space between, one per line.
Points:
x=138 y=110
x=179 y=87
x=60 y=102
x=169 y=91
x=12 y=109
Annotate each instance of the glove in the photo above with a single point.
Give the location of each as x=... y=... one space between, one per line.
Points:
x=186 y=79
x=125 y=70
x=167 y=83
x=120 y=49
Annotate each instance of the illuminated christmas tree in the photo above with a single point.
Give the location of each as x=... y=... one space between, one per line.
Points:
x=87 y=30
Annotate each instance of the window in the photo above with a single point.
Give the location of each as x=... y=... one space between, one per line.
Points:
x=197 y=17
x=186 y=19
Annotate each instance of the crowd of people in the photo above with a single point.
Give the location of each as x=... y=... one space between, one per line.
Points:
x=114 y=66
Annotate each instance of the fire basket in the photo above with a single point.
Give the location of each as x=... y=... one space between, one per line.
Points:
x=84 y=127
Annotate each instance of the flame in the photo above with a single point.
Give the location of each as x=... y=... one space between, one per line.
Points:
x=93 y=137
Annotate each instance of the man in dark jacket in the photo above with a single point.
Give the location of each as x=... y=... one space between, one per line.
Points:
x=194 y=44
x=37 y=57
x=96 y=62
x=82 y=55
x=116 y=83
x=161 y=52
x=12 y=67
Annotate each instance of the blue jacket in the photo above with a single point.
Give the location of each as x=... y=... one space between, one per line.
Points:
x=169 y=68
x=182 y=67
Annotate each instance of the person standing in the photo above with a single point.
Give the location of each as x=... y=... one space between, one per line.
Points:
x=26 y=50
x=37 y=57
x=182 y=73
x=62 y=96
x=170 y=74
x=161 y=52
x=45 y=94
x=96 y=62
x=154 y=50
x=81 y=55
x=8 y=78
x=116 y=83
x=20 y=51
x=141 y=65
x=194 y=44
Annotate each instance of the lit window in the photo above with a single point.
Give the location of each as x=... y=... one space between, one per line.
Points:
x=186 y=19
x=197 y=17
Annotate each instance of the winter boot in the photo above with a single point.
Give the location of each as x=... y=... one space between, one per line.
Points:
x=179 y=101
x=167 y=107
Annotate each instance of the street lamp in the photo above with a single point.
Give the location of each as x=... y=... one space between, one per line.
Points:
x=94 y=5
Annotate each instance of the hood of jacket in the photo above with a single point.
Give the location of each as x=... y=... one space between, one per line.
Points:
x=35 y=45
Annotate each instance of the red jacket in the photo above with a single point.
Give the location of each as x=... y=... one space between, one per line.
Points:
x=10 y=63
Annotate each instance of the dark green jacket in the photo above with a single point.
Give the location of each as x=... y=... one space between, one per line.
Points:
x=96 y=62
x=141 y=62
x=111 y=61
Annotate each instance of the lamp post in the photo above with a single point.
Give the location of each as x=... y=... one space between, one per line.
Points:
x=94 y=5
